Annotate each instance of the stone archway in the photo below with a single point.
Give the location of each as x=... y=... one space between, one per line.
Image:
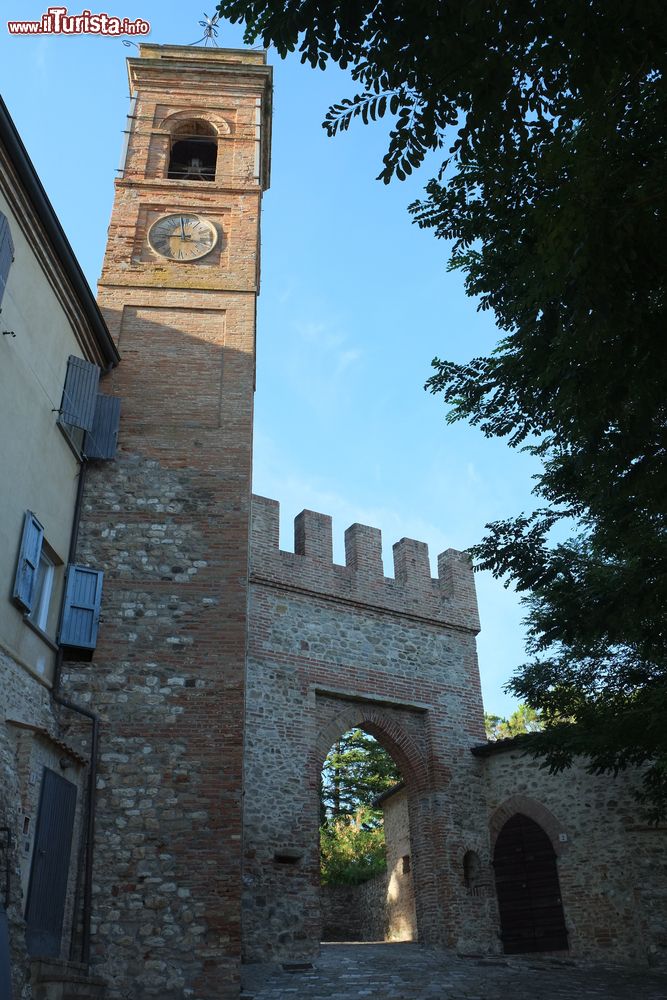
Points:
x=556 y=831
x=399 y=899
x=400 y=730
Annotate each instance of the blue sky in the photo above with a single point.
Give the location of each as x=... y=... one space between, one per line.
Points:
x=354 y=304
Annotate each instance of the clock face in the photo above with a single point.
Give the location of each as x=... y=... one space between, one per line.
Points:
x=182 y=237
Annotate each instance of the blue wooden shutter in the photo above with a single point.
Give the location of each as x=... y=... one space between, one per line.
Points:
x=81 y=612
x=101 y=439
x=6 y=252
x=26 y=571
x=80 y=393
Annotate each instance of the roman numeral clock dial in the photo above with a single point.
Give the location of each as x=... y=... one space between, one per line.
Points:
x=182 y=237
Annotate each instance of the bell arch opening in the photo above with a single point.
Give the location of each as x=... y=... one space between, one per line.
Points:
x=367 y=891
x=193 y=152
x=528 y=888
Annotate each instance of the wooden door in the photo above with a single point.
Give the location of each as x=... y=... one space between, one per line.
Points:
x=47 y=891
x=531 y=912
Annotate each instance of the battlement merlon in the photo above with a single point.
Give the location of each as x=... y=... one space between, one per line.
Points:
x=450 y=599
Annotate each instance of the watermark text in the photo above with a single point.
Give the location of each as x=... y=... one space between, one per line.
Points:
x=57 y=21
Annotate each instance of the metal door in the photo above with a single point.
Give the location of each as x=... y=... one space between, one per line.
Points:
x=47 y=890
x=531 y=912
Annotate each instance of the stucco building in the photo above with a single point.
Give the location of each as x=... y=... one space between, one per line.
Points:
x=56 y=352
x=225 y=668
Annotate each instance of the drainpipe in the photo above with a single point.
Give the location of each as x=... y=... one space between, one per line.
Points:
x=94 y=743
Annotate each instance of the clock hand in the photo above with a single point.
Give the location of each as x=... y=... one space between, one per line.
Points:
x=182 y=229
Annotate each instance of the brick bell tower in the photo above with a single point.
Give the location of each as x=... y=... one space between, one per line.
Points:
x=168 y=521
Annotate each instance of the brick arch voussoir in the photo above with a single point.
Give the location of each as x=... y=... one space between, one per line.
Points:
x=536 y=811
x=388 y=732
x=172 y=121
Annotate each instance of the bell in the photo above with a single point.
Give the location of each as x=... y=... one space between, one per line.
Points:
x=195 y=171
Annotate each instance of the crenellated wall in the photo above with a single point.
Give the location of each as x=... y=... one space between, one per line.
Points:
x=449 y=599
x=331 y=647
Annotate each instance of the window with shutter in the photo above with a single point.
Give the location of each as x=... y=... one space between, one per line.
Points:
x=81 y=611
x=77 y=409
x=6 y=253
x=39 y=613
x=36 y=584
x=25 y=582
x=100 y=441
x=89 y=418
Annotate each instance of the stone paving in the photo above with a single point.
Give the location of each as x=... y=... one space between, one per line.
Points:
x=404 y=971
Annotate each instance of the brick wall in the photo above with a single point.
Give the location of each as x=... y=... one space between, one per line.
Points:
x=168 y=521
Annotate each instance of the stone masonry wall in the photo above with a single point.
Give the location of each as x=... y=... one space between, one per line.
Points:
x=339 y=912
x=401 y=916
x=331 y=647
x=360 y=912
x=612 y=866
x=374 y=914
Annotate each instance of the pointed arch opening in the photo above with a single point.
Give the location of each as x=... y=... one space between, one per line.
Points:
x=528 y=888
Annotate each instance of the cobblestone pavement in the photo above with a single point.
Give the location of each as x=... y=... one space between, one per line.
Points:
x=404 y=971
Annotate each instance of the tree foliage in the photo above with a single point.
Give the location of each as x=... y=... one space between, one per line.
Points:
x=352 y=848
x=551 y=116
x=523 y=720
x=356 y=770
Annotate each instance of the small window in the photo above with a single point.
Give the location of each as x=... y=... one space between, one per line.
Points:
x=194 y=152
x=406 y=864
x=35 y=592
x=34 y=584
x=39 y=614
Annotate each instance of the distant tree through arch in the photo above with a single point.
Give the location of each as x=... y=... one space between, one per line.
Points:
x=356 y=770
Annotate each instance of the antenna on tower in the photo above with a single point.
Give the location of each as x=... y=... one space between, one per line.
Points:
x=210 y=26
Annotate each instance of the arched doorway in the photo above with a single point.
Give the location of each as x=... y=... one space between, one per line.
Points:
x=531 y=911
x=367 y=891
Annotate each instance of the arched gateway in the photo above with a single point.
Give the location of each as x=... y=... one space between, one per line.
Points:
x=331 y=647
